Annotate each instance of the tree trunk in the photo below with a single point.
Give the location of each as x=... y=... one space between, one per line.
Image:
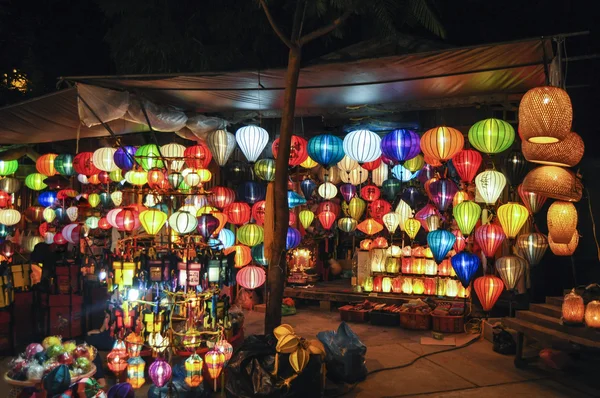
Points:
x=279 y=206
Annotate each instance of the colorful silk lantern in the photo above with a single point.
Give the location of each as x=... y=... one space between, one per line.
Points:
x=370 y=226
x=292 y=239
x=531 y=200
x=348 y=191
x=207 y=225
x=258 y=255
x=380 y=174
x=149 y=157
x=193 y=370
x=250 y=234
x=8 y=167
x=562 y=221
x=252 y=140
x=238 y=213
x=306 y=218
x=488 y=289
x=103 y=159
x=405 y=212
x=466 y=215
x=242 y=257
x=327 y=190
x=489 y=237
x=221 y=144
x=325 y=149
x=490 y=184
x=391 y=221
x=356 y=208
x=442 y=143
x=411 y=227
x=45 y=164
x=298 y=153
x=251 y=277
x=309 y=163
x=370 y=193
x=545 y=115
x=258 y=211
x=400 y=145
x=183 y=222
x=226 y=237
x=127 y=220
x=391 y=188
x=265 y=169
x=251 y=192
x=173 y=154
x=124 y=157
x=35 y=181
x=295 y=200
x=308 y=186
x=347 y=224
x=467 y=163
x=465 y=265
x=514 y=167
x=47 y=198
x=440 y=242
x=362 y=146
x=460 y=197
x=511 y=269
x=403 y=174
x=491 y=136
x=160 y=372
x=326 y=218
x=512 y=217
x=533 y=246
x=215 y=360
x=442 y=193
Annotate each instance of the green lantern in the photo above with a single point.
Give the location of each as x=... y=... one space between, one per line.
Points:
x=347 y=224
x=63 y=164
x=491 y=136
x=250 y=234
x=148 y=156
x=35 y=181
x=265 y=169
x=466 y=215
x=116 y=175
x=8 y=167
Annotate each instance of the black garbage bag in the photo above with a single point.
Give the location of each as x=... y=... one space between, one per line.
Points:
x=181 y=390
x=503 y=342
x=249 y=372
x=345 y=354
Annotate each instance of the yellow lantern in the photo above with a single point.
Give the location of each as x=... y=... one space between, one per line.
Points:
x=35 y=181
x=460 y=197
x=205 y=175
x=137 y=178
x=592 y=314
x=116 y=175
x=466 y=215
x=347 y=164
x=94 y=199
x=152 y=220
x=562 y=221
x=117 y=198
x=380 y=174
x=490 y=184
x=347 y=224
x=418 y=286
x=306 y=218
x=407 y=286
x=433 y=222
x=392 y=264
x=103 y=159
x=394 y=251
x=135 y=372
x=356 y=176
x=193 y=370
x=365 y=244
x=573 y=309
x=9 y=217
x=378 y=257
x=356 y=208
x=451 y=288
x=412 y=226
x=418 y=265
x=415 y=164
x=463 y=292
x=512 y=218
x=564 y=249
x=157 y=342
x=405 y=212
x=124 y=273
x=49 y=214
x=386 y=284
x=431 y=267
x=250 y=234
x=309 y=163
x=368 y=284
x=545 y=115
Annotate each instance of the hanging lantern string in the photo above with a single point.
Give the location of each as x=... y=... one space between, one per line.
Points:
x=153 y=133
x=589 y=200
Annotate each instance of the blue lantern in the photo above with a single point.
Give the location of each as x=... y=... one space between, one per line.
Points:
x=47 y=198
x=293 y=238
x=251 y=192
x=390 y=188
x=465 y=265
x=124 y=157
x=404 y=174
x=326 y=149
x=295 y=200
x=440 y=242
x=61 y=215
x=412 y=196
x=258 y=255
x=4 y=231
x=227 y=238
x=105 y=199
x=401 y=145
x=308 y=186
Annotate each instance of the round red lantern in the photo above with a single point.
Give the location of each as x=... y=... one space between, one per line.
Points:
x=127 y=220
x=43 y=228
x=221 y=197
x=292 y=219
x=298 y=151
x=430 y=286
x=59 y=239
x=377 y=282
x=467 y=163
x=370 y=166
x=34 y=214
x=238 y=213
x=488 y=289
x=104 y=177
x=489 y=237
x=198 y=156
x=251 y=277
x=327 y=218
x=5 y=199
x=156 y=179
x=45 y=164
x=329 y=206
x=104 y=224
x=83 y=164
x=379 y=208
x=258 y=212
x=370 y=193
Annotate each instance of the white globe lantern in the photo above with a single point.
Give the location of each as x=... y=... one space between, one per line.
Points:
x=356 y=176
x=9 y=217
x=327 y=190
x=103 y=159
x=347 y=164
x=183 y=222
x=173 y=154
x=362 y=146
x=252 y=140
x=380 y=174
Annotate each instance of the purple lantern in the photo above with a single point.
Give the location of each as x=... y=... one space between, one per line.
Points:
x=427 y=173
x=348 y=191
x=424 y=213
x=401 y=145
x=124 y=157
x=442 y=193
x=160 y=372
x=293 y=238
x=412 y=196
x=207 y=225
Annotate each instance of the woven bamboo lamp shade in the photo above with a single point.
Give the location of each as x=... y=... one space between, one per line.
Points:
x=545 y=115
x=566 y=153
x=592 y=314
x=573 y=308
x=562 y=221
x=554 y=182
x=564 y=249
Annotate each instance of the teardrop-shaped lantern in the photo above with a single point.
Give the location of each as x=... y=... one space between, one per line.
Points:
x=405 y=212
x=466 y=215
x=347 y=224
x=370 y=193
x=533 y=201
x=152 y=220
x=514 y=167
x=362 y=146
x=306 y=218
x=467 y=163
x=465 y=265
x=490 y=184
x=308 y=186
x=510 y=269
x=207 y=225
x=356 y=208
x=355 y=177
x=533 y=246
x=327 y=218
x=488 y=289
x=221 y=144
x=442 y=193
x=411 y=227
x=252 y=140
x=348 y=191
x=391 y=188
x=512 y=217
x=440 y=242
x=391 y=221
x=489 y=237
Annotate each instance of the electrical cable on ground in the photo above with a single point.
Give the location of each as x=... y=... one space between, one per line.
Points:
x=405 y=365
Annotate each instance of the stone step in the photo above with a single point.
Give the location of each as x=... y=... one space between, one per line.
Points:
x=556 y=324
x=549 y=336
x=558 y=301
x=546 y=309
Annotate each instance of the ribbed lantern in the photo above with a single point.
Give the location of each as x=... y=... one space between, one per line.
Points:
x=265 y=169
x=326 y=218
x=491 y=136
x=573 y=308
x=326 y=149
x=72 y=213
x=442 y=193
x=127 y=220
x=9 y=217
x=149 y=157
x=562 y=221
x=47 y=198
x=391 y=221
x=63 y=165
x=197 y=156
x=8 y=167
x=347 y=164
x=371 y=166
x=402 y=173
x=306 y=218
x=531 y=200
x=564 y=249
x=512 y=217
x=221 y=144
x=238 y=213
x=442 y=143
x=465 y=265
x=355 y=177
x=258 y=254
x=45 y=164
x=347 y=224
x=103 y=159
x=251 y=277
x=152 y=220
x=137 y=178
x=173 y=154
x=125 y=157
x=155 y=178
x=35 y=181
x=356 y=208
x=411 y=227
x=467 y=163
x=380 y=174
x=221 y=197
x=510 y=269
x=362 y=146
x=227 y=238
x=533 y=246
x=514 y=167
x=251 y=141
x=327 y=190
x=370 y=227
x=488 y=289
x=160 y=372
x=440 y=242
x=370 y=192
x=490 y=184
x=348 y=191
x=250 y=234
x=401 y=145
x=489 y=237
x=545 y=115
x=183 y=222
x=117 y=176
x=298 y=153
x=391 y=188
x=83 y=164
x=242 y=257
x=466 y=215
x=566 y=153
x=293 y=238
x=404 y=211
x=415 y=164
x=554 y=182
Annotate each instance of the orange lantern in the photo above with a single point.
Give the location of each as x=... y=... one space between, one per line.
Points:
x=45 y=164
x=418 y=266
x=442 y=143
x=430 y=286
x=488 y=289
x=407 y=265
x=214 y=360
x=243 y=255
x=444 y=267
x=573 y=309
x=562 y=221
x=370 y=227
x=155 y=178
x=380 y=242
x=564 y=249
x=592 y=314
x=365 y=244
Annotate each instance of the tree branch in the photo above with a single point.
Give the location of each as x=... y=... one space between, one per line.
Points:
x=279 y=33
x=325 y=29
x=298 y=19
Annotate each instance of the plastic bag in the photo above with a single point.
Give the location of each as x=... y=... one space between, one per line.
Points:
x=345 y=354
x=249 y=372
x=504 y=342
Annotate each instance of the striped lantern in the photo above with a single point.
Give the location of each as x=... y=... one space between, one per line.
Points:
x=252 y=140
x=183 y=222
x=265 y=169
x=34 y=181
x=440 y=242
x=45 y=164
x=8 y=167
x=362 y=146
x=380 y=174
x=83 y=164
x=442 y=192
x=533 y=246
x=326 y=149
x=491 y=136
x=442 y=143
x=401 y=145
x=251 y=277
x=152 y=220
x=221 y=197
x=347 y=164
x=355 y=177
x=467 y=163
x=258 y=211
x=221 y=144
x=512 y=217
x=238 y=213
x=125 y=157
x=250 y=234
x=489 y=237
x=490 y=184
x=347 y=224
x=488 y=289
x=173 y=154
x=103 y=159
x=465 y=265
x=327 y=218
x=533 y=201
x=511 y=269
x=197 y=156
x=149 y=157
x=370 y=227
x=306 y=218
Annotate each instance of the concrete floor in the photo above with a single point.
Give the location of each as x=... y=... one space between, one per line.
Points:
x=474 y=371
